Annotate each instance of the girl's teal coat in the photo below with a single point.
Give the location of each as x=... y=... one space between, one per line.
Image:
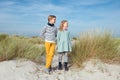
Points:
x=63 y=41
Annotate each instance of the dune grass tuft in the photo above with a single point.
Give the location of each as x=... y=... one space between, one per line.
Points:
x=14 y=47
x=95 y=44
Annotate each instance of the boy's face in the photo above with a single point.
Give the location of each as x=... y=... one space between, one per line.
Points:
x=52 y=20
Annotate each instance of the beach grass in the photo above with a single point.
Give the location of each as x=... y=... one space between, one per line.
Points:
x=91 y=44
x=95 y=44
x=33 y=39
x=117 y=40
x=19 y=47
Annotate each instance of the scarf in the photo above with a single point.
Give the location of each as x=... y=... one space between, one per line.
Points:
x=50 y=24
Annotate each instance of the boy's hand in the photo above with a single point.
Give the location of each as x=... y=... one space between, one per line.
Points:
x=56 y=47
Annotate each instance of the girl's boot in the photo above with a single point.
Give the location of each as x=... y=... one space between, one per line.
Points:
x=60 y=66
x=66 y=66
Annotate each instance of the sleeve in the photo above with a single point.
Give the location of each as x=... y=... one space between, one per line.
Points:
x=58 y=36
x=69 y=37
x=56 y=31
x=43 y=32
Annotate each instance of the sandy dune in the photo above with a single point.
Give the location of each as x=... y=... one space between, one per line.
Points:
x=27 y=70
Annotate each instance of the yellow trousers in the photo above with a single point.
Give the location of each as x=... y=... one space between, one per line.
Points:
x=50 y=50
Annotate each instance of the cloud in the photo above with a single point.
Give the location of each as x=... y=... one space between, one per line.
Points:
x=83 y=14
x=85 y=2
x=21 y=13
x=6 y=3
x=34 y=7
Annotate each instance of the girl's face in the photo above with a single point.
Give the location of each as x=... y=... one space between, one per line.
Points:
x=65 y=26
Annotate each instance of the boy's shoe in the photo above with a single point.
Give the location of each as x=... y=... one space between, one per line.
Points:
x=47 y=71
x=59 y=66
x=65 y=66
x=50 y=69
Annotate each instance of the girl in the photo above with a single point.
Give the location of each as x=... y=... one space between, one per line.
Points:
x=63 y=44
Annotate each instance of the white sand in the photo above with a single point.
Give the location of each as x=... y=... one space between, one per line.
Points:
x=27 y=70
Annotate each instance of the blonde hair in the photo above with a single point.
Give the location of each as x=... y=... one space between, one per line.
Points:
x=61 y=24
x=51 y=17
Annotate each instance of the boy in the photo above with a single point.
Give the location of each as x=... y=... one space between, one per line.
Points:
x=49 y=33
